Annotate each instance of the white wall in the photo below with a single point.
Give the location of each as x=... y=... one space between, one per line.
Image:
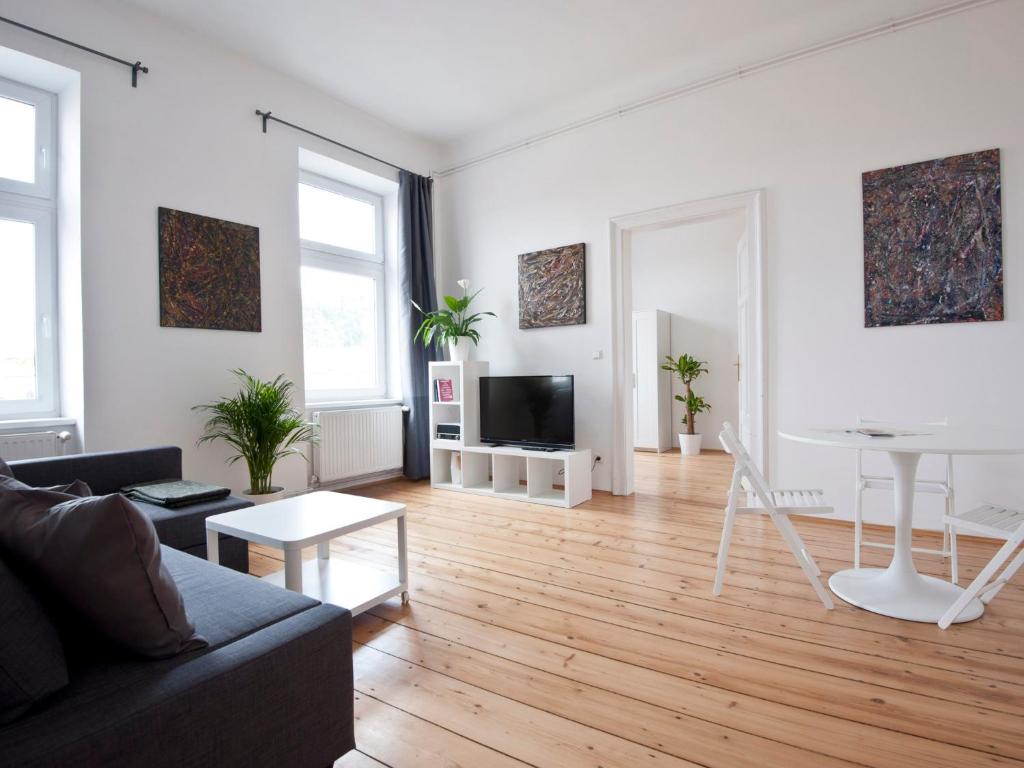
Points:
x=804 y=133
x=186 y=138
x=690 y=272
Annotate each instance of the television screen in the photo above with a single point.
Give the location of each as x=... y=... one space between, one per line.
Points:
x=535 y=411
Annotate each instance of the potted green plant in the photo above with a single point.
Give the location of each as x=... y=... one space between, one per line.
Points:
x=688 y=369
x=452 y=325
x=262 y=427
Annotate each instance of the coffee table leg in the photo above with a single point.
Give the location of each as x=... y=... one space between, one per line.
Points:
x=403 y=559
x=213 y=546
x=323 y=550
x=293 y=569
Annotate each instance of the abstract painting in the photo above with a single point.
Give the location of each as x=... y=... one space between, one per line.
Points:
x=553 y=287
x=209 y=273
x=933 y=242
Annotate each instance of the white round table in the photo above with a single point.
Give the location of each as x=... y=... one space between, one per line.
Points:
x=899 y=590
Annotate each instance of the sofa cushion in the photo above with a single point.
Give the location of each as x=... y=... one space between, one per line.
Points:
x=185 y=527
x=225 y=604
x=226 y=607
x=32 y=664
x=101 y=558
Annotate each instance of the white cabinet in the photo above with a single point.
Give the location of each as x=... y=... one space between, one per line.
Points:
x=555 y=478
x=652 y=387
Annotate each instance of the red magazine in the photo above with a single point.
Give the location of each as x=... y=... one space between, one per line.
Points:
x=444 y=390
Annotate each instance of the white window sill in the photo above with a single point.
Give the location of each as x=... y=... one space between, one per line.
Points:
x=16 y=424
x=344 y=405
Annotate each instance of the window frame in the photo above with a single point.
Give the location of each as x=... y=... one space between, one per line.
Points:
x=45 y=104
x=349 y=261
x=347 y=190
x=47 y=400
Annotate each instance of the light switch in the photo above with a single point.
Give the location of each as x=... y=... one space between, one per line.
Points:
x=598 y=354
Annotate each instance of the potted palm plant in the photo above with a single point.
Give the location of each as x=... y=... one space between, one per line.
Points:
x=688 y=369
x=262 y=427
x=452 y=325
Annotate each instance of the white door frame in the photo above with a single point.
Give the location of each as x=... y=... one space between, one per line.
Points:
x=755 y=433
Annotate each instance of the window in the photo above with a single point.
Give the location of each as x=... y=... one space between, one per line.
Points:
x=29 y=378
x=344 y=338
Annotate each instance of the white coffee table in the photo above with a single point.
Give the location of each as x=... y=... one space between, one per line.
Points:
x=316 y=518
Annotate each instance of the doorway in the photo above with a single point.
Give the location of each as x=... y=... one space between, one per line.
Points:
x=659 y=235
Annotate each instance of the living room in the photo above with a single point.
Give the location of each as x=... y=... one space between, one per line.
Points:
x=290 y=190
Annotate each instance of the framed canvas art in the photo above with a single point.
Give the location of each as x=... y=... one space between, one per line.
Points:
x=553 y=287
x=209 y=273
x=933 y=243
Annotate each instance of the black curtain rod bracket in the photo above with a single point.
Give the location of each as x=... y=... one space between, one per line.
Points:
x=267 y=116
x=134 y=66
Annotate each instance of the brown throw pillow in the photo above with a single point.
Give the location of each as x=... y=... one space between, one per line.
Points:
x=5 y=471
x=74 y=488
x=100 y=555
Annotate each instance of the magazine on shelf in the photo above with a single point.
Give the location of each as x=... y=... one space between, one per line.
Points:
x=443 y=391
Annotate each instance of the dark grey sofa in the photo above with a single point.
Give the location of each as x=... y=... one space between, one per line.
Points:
x=273 y=688
x=183 y=528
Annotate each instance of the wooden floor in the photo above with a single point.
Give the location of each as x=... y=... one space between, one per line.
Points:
x=589 y=637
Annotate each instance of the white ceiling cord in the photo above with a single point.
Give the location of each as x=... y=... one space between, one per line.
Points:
x=893 y=25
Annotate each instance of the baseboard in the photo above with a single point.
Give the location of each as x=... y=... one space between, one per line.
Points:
x=353 y=482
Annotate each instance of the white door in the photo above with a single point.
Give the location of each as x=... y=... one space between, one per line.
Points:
x=746 y=426
x=636 y=390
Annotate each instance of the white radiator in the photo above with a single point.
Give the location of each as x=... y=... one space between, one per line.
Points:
x=33 y=445
x=357 y=442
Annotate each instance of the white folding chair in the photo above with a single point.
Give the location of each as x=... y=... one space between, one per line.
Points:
x=866 y=482
x=1003 y=523
x=777 y=505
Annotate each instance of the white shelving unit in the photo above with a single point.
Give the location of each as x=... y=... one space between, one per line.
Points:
x=555 y=478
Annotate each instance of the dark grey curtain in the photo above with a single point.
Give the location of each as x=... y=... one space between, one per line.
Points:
x=416 y=283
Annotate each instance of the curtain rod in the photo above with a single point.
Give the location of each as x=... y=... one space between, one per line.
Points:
x=266 y=116
x=134 y=66
x=732 y=75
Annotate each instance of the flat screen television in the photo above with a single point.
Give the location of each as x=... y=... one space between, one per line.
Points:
x=528 y=411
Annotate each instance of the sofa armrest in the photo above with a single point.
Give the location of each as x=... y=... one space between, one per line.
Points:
x=104 y=472
x=280 y=696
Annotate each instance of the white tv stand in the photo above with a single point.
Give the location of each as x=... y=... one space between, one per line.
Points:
x=555 y=478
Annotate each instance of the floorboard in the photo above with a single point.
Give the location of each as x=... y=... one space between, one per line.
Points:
x=589 y=637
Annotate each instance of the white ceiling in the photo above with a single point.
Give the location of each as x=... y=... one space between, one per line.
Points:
x=449 y=69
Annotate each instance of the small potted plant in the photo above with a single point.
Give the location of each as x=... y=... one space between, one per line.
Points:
x=688 y=369
x=452 y=326
x=262 y=427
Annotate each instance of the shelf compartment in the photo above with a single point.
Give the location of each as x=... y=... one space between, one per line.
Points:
x=541 y=476
x=508 y=474
x=476 y=470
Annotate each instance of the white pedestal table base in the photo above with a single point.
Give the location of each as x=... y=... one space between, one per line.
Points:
x=910 y=596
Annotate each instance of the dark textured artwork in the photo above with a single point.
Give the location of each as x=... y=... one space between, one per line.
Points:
x=209 y=273
x=553 y=287
x=933 y=242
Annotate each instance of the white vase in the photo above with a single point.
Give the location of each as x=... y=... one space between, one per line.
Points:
x=277 y=493
x=690 y=444
x=456 y=468
x=459 y=350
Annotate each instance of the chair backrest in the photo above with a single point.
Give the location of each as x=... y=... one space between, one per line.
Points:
x=745 y=466
x=864 y=422
x=918 y=425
